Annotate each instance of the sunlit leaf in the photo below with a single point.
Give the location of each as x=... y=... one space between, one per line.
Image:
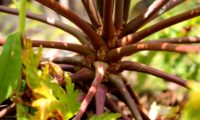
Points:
x=165 y=112
x=47 y=108
x=53 y=70
x=10 y=66
x=192 y=107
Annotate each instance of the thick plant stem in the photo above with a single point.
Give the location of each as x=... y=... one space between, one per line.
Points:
x=118 y=53
x=119 y=10
x=75 y=60
x=135 y=98
x=60 y=45
x=63 y=45
x=67 y=67
x=180 y=40
x=118 y=83
x=112 y=106
x=108 y=26
x=140 y=20
x=134 y=66
x=130 y=89
x=96 y=40
x=50 y=21
x=171 y=4
x=138 y=36
x=99 y=4
x=92 y=13
x=100 y=99
x=127 y=4
x=100 y=69
x=82 y=75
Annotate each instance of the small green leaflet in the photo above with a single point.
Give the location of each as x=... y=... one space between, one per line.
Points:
x=106 y=116
x=10 y=66
x=72 y=95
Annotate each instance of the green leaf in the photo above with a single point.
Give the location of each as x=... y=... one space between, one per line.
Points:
x=72 y=96
x=10 y=66
x=106 y=116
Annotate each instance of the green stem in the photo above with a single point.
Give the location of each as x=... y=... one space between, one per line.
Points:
x=22 y=16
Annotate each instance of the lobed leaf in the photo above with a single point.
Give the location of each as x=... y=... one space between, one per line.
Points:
x=72 y=96
x=49 y=99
